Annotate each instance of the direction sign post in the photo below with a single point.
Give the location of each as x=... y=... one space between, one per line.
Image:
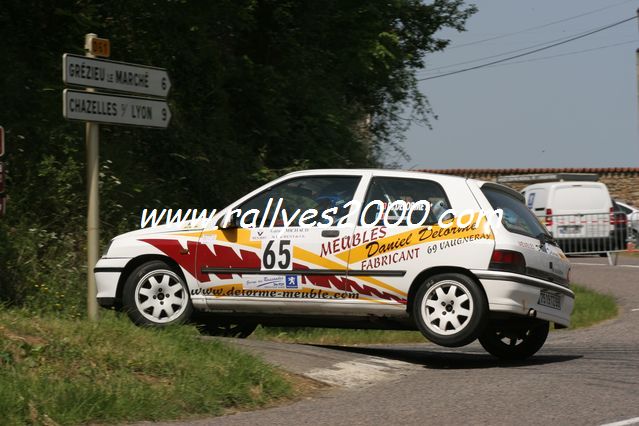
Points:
x=111 y=75
x=115 y=109
x=93 y=108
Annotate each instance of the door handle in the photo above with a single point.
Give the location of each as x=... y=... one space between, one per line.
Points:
x=330 y=233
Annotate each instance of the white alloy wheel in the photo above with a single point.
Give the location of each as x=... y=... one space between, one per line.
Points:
x=450 y=309
x=161 y=296
x=447 y=307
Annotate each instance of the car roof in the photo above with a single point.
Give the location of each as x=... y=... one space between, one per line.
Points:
x=379 y=172
x=624 y=203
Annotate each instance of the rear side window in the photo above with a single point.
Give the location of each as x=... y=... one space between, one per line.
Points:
x=624 y=209
x=517 y=217
x=386 y=190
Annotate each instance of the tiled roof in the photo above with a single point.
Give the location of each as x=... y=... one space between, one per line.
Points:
x=533 y=170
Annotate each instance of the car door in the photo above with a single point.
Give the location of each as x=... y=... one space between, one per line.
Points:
x=280 y=244
x=392 y=246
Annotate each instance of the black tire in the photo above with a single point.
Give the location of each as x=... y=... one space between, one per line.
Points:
x=450 y=309
x=223 y=328
x=155 y=294
x=514 y=342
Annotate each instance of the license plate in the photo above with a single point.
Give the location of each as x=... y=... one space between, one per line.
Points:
x=550 y=299
x=570 y=229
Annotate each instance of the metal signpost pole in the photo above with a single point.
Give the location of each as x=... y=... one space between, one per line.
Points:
x=93 y=211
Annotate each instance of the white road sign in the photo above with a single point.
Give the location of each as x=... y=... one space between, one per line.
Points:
x=119 y=76
x=115 y=109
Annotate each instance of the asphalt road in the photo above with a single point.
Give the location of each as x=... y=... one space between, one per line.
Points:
x=582 y=377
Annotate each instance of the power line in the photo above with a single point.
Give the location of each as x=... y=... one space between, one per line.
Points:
x=472 y=43
x=576 y=52
x=529 y=52
x=484 y=58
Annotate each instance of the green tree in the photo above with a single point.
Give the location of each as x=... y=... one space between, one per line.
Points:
x=260 y=87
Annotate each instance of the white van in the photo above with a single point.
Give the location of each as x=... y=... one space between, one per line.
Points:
x=578 y=214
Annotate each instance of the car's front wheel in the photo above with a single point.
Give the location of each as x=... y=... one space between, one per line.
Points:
x=514 y=342
x=449 y=309
x=154 y=294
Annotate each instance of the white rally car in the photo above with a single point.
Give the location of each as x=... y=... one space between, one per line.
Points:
x=352 y=249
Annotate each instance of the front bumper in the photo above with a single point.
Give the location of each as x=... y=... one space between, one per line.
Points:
x=517 y=294
x=107 y=275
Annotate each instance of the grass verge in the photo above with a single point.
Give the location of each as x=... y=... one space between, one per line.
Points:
x=70 y=372
x=590 y=308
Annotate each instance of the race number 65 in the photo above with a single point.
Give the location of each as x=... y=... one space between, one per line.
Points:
x=277 y=253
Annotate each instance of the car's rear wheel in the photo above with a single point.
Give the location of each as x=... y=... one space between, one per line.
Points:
x=223 y=328
x=450 y=309
x=514 y=342
x=154 y=294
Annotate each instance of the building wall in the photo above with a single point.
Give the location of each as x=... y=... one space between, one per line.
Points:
x=622 y=182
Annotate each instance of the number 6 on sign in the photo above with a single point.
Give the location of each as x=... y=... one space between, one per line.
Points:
x=277 y=255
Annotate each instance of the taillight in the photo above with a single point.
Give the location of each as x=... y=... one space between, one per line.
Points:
x=618 y=218
x=508 y=260
x=612 y=216
x=548 y=217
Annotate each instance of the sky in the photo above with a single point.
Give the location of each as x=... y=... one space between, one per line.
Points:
x=577 y=110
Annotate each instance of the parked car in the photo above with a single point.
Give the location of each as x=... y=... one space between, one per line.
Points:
x=620 y=222
x=454 y=276
x=632 y=213
x=579 y=215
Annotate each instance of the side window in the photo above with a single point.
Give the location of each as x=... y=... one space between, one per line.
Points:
x=384 y=191
x=326 y=194
x=626 y=210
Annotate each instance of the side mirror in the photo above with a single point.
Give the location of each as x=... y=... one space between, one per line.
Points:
x=230 y=223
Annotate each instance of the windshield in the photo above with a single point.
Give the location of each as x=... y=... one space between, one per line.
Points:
x=517 y=217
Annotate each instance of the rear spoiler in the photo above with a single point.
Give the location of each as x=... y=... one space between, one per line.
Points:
x=505 y=189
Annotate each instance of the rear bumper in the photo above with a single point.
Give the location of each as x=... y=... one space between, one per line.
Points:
x=518 y=294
